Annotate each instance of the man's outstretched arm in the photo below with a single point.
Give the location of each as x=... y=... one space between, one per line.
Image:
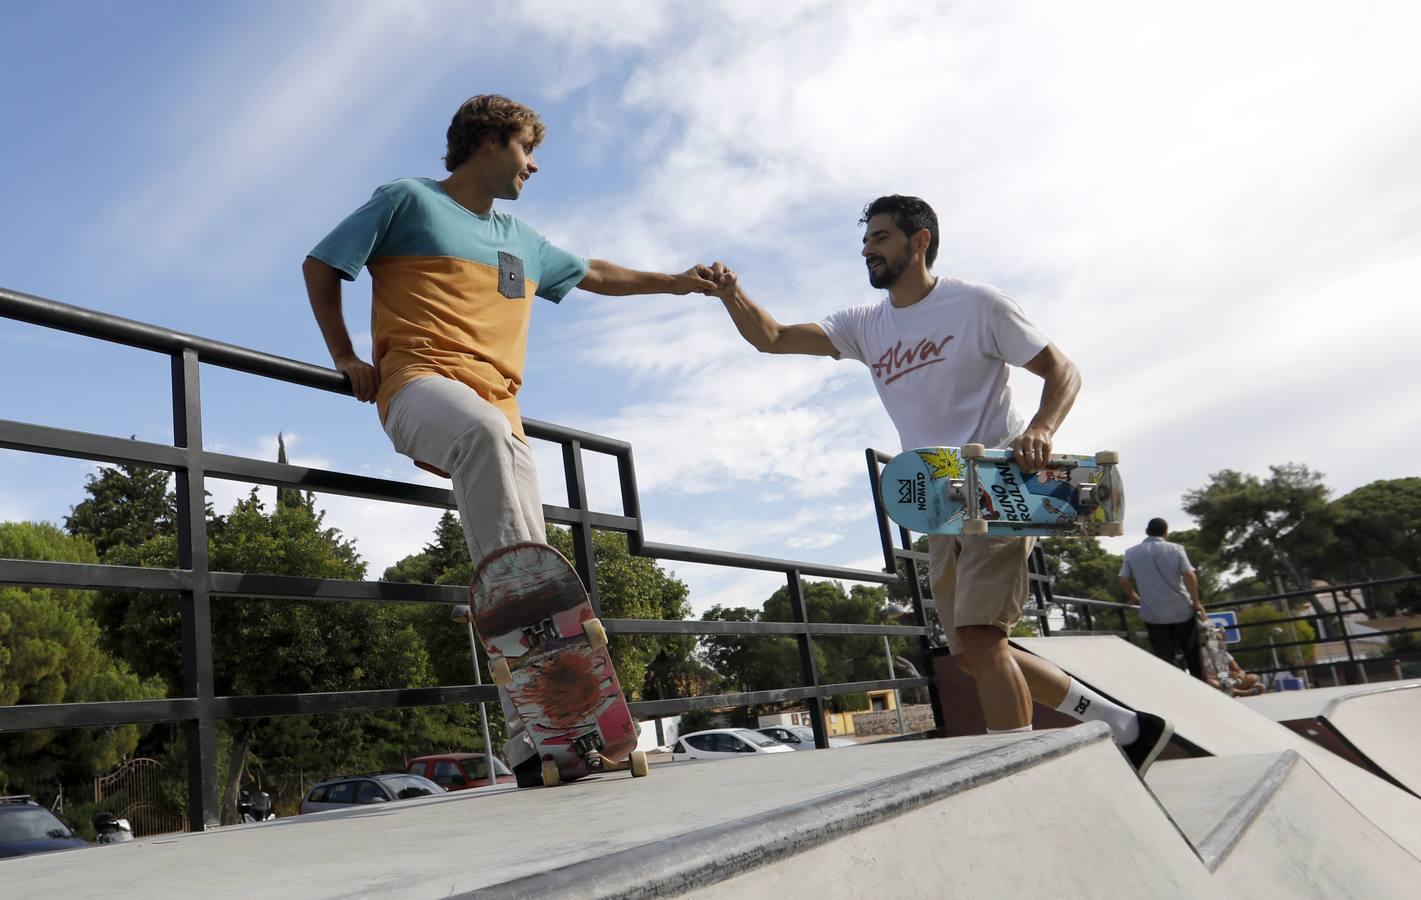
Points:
x=610 y=279
x=761 y=330
x=323 y=287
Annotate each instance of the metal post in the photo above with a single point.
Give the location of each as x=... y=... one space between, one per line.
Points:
x=200 y=732
x=483 y=707
x=1357 y=669
x=897 y=695
x=582 y=546
x=806 y=660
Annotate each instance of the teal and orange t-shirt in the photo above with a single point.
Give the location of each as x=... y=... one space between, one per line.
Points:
x=453 y=291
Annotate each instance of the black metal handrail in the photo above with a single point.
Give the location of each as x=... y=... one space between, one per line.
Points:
x=199 y=709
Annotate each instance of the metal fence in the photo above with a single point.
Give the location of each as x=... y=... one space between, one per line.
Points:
x=1331 y=628
x=199 y=709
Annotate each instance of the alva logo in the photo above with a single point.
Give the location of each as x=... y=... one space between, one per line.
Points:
x=898 y=361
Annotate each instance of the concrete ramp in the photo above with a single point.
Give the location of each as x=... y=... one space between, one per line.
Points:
x=1267 y=825
x=1378 y=726
x=1221 y=726
x=1058 y=813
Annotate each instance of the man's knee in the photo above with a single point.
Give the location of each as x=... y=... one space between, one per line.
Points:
x=980 y=644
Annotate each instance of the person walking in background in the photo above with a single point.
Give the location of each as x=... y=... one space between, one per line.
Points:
x=1160 y=580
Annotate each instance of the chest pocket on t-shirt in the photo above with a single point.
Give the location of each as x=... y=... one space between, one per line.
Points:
x=510 y=276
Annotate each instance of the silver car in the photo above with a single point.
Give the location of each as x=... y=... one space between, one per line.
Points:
x=358 y=790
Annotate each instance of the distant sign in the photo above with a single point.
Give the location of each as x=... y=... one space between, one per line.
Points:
x=1229 y=620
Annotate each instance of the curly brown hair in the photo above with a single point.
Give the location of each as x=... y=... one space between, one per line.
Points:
x=488 y=117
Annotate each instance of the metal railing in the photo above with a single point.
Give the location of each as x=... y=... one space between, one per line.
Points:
x=1331 y=627
x=199 y=709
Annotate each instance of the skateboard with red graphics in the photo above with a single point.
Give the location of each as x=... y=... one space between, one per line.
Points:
x=974 y=490
x=548 y=650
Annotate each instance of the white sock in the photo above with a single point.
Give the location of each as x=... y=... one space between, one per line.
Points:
x=1008 y=730
x=1086 y=705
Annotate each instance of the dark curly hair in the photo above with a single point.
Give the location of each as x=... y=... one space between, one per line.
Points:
x=488 y=117
x=910 y=214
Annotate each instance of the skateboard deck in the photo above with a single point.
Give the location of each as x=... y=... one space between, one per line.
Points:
x=932 y=491
x=548 y=650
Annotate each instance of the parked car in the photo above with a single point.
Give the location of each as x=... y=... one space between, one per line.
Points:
x=723 y=743
x=356 y=790
x=26 y=828
x=459 y=771
x=799 y=737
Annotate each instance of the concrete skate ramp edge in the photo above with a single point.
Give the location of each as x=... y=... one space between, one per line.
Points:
x=1385 y=726
x=1222 y=726
x=1267 y=824
x=1379 y=723
x=779 y=853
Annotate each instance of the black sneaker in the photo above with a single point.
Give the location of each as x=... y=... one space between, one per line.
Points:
x=529 y=772
x=1155 y=733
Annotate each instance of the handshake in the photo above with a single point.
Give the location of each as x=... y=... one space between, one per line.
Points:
x=715 y=280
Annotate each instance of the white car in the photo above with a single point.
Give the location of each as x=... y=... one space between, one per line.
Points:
x=799 y=737
x=723 y=743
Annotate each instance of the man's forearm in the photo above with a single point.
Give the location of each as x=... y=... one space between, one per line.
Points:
x=1128 y=585
x=323 y=289
x=758 y=327
x=612 y=280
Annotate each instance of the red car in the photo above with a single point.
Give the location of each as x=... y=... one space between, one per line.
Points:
x=459 y=771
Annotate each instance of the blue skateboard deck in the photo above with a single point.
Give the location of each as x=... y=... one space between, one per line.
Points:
x=929 y=490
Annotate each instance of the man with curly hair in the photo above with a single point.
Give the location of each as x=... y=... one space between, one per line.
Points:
x=453 y=287
x=939 y=350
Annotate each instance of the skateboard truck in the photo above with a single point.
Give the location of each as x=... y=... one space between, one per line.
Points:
x=539 y=631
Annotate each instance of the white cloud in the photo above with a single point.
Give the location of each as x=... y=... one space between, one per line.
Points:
x=232 y=142
x=1212 y=209
x=1207 y=213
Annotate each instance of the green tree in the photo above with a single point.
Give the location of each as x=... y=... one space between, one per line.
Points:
x=1379 y=536
x=1279 y=528
x=1080 y=567
x=50 y=653
x=757 y=663
x=1256 y=629
x=126 y=507
x=446 y=555
x=269 y=647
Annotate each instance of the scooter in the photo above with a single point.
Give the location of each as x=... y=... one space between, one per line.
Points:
x=255 y=807
x=110 y=829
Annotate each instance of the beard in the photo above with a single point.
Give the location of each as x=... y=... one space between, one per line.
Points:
x=886 y=276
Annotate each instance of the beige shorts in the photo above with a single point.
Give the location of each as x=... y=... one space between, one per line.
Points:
x=978 y=581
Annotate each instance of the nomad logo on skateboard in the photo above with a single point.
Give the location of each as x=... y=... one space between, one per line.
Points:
x=549 y=652
x=973 y=490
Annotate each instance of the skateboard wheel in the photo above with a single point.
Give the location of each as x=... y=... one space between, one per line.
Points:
x=1111 y=529
x=974 y=526
x=551 y=776
x=498 y=670
x=974 y=451
x=1107 y=458
x=639 y=764
x=596 y=634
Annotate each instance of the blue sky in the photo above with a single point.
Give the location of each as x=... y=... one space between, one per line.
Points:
x=1214 y=211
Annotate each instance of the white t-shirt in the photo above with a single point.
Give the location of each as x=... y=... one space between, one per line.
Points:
x=940 y=365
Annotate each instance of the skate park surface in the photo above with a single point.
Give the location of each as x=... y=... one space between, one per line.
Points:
x=1055 y=813
x=1382 y=722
